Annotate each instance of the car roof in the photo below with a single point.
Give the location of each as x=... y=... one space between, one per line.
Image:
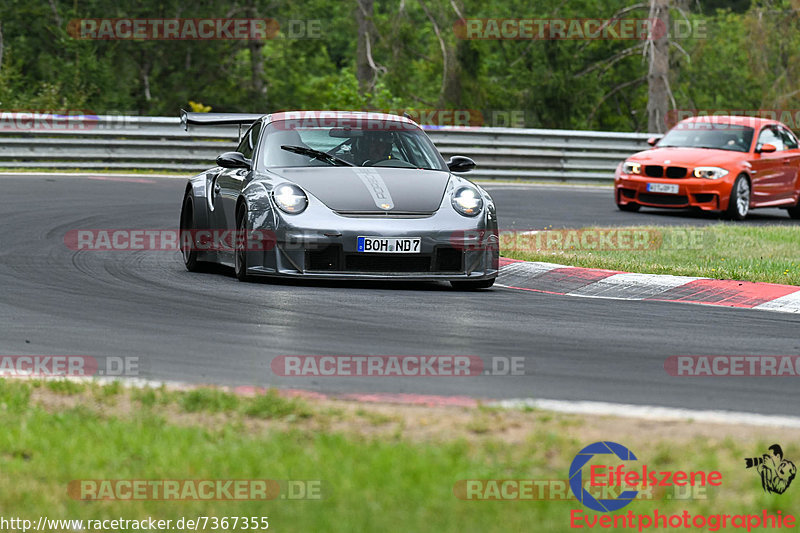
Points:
x=320 y=117
x=734 y=120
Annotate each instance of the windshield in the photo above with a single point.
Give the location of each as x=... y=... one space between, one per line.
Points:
x=395 y=144
x=709 y=135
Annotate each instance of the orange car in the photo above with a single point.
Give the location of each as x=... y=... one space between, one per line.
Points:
x=717 y=163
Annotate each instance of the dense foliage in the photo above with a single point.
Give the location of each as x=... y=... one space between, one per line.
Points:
x=744 y=56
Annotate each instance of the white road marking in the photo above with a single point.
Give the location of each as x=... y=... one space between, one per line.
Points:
x=529 y=268
x=646 y=412
x=652 y=412
x=520 y=274
x=785 y=304
x=632 y=286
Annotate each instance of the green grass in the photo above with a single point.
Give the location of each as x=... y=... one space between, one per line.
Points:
x=65 y=387
x=271 y=405
x=264 y=406
x=722 y=251
x=211 y=400
x=368 y=483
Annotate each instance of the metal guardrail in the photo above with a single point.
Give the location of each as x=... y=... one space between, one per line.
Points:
x=159 y=143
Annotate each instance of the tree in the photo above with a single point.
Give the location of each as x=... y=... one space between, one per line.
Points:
x=450 y=91
x=658 y=91
x=366 y=70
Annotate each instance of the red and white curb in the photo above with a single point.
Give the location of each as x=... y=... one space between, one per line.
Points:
x=597 y=283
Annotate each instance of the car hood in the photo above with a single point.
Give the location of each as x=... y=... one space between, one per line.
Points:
x=371 y=189
x=687 y=157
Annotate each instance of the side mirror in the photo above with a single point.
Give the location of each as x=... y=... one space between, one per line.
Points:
x=767 y=149
x=459 y=163
x=233 y=160
x=653 y=140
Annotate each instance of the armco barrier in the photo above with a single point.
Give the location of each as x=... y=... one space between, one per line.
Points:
x=160 y=143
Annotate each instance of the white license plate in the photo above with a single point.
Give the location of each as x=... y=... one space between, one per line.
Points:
x=389 y=245
x=665 y=188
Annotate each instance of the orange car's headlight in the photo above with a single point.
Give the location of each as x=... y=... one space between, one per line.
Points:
x=709 y=173
x=631 y=167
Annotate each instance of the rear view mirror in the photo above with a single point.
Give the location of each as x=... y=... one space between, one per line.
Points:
x=767 y=149
x=459 y=163
x=233 y=160
x=653 y=140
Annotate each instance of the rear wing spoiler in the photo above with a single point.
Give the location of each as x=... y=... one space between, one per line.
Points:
x=218 y=119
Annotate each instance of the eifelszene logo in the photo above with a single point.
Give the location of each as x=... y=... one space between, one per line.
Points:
x=776 y=472
x=620 y=477
x=576 y=476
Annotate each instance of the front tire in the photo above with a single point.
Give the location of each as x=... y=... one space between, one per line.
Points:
x=472 y=285
x=739 y=203
x=240 y=248
x=794 y=212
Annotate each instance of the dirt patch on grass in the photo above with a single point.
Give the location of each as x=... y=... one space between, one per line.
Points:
x=412 y=423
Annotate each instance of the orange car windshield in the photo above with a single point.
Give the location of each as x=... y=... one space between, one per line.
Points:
x=712 y=136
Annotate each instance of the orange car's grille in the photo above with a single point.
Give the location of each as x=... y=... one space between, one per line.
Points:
x=654 y=171
x=676 y=172
x=657 y=171
x=663 y=199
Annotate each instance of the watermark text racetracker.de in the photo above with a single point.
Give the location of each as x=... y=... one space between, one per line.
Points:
x=790 y=117
x=47 y=120
x=56 y=120
x=44 y=366
x=193 y=29
x=168 y=240
x=517 y=29
x=195 y=489
x=172 y=29
x=381 y=119
x=396 y=366
x=733 y=365
x=563 y=240
x=559 y=490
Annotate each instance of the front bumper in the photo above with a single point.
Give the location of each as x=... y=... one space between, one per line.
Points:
x=707 y=195
x=449 y=253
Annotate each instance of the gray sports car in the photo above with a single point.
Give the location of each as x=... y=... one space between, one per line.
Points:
x=344 y=195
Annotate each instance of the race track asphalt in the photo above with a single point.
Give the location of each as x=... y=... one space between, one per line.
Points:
x=577 y=207
x=210 y=328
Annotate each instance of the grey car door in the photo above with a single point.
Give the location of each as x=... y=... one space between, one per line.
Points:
x=231 y=181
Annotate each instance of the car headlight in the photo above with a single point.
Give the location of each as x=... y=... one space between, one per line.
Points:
x=631 y=167
x=710 y=173
x=467 y=201
x=290 y=198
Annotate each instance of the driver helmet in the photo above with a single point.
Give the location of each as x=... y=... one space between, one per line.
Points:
x=375 y=146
